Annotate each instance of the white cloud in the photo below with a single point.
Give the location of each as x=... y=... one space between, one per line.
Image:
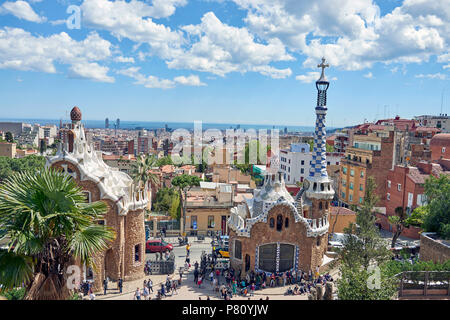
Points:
x=309 y=77
x=220 y=49
x=155 y=82
x=122 y=59
x=133 y=20
x=21 y=50
x=439 y=76
x=191 y=80
x=368 y=75
x=210 y=46
x=352 y=34
x=21 y=10
x=93 y=71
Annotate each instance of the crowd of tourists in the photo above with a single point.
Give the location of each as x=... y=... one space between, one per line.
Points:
x=227 y=282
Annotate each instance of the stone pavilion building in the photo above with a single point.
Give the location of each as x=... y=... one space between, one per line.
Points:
x=275 y=232
x=125 y=256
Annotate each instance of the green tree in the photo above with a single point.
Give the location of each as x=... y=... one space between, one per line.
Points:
x=363 y=252
x=398 y=221
x=437 y=218
x=174 y=210
x=9 y=166
x=184 y=183
x=49 y=226
x=168 y=200
x=9 y=137
x=141 y=171
x=417 y=216
x=163 y=161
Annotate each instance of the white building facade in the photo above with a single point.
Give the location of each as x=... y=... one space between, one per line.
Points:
x=295 y=164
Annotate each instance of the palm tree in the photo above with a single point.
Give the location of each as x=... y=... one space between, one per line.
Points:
x=49 y=225
x=141 y=171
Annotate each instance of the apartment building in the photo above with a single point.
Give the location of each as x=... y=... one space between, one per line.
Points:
x=371 y=154
x=441 y=121
x=405 y=189
x=7 y=149
x=295 y=163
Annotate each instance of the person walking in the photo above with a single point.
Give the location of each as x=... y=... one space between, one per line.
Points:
x=120 y=284
x=145 y=293
x=105 y=286
x=195 y=276
x=137 y=294
x=174 y=287
x=150 y=285
x=188 y=249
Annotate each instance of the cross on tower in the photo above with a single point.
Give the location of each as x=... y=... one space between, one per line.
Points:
x=323 y=66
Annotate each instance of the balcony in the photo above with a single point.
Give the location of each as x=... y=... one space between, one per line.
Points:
x=209 y=204
x=358 y=163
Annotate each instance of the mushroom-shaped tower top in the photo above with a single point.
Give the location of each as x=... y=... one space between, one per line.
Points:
x=75 y=114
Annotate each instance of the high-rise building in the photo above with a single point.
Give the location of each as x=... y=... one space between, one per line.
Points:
x=106 y=123
x=118 y=123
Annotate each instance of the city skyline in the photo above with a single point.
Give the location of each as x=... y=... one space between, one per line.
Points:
x=224 y=61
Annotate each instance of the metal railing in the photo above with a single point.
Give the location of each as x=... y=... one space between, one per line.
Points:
x=424 y=283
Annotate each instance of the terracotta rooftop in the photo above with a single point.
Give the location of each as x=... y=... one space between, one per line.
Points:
x=342 y=211
x=441 y=139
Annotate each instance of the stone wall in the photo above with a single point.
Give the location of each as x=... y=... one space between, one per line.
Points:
x=434 y=250
x=134 y=236
x=118 y=259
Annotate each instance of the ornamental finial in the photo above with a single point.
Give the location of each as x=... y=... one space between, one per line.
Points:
x=323 y=65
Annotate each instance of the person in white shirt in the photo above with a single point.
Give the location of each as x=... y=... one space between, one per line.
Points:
x=137 y=294
x=145 y=293
x=92 y=296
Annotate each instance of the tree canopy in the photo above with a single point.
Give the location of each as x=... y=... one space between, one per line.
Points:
x=48 y=224
x=437 y=217
x=364 y=255
x=168 y=200
x=10 y=166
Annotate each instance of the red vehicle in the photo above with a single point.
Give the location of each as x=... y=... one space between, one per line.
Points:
x=153 y=246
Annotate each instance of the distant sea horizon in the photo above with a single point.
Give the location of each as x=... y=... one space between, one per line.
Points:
x=151 y=125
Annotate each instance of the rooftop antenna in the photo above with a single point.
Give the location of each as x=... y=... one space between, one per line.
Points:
x=442 y=98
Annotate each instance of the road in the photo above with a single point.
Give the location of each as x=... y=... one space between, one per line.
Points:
x=197 y=247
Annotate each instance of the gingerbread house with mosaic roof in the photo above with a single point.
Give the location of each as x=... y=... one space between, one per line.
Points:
x=125 y=257
x=275 y=232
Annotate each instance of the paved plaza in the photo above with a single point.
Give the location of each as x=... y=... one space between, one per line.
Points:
x=188 y=290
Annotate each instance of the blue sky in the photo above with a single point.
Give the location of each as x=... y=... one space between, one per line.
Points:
x=224 y=61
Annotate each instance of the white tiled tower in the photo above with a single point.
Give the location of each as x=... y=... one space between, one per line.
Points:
x=318 y=185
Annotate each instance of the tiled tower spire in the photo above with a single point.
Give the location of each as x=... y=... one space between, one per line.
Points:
x=318 y=185
x=319 y=156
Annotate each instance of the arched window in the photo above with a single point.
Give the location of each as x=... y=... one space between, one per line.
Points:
x=272 y=222
x=320 y=205
x=322 y=187
x=326 y=205
x=237 y=249
x=315 y=186
x=318 y=241
x=286 y=223
x=279 y=222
